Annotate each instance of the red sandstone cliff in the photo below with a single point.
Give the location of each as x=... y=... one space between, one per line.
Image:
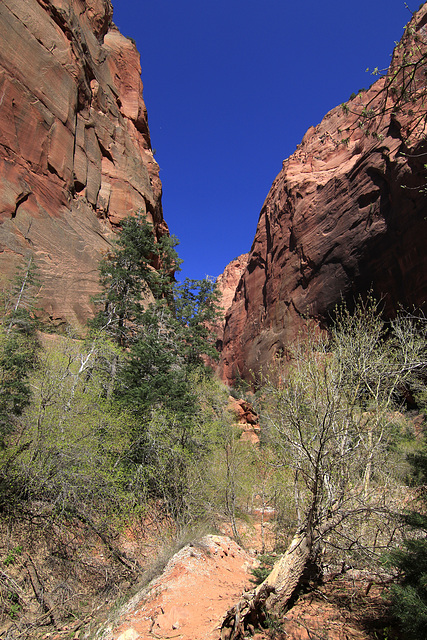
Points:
x=346 y=213
x=227 y=283
x=75 y=151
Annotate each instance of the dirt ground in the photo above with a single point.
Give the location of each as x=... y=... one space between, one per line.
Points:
x=200 y=583
x=189 y=599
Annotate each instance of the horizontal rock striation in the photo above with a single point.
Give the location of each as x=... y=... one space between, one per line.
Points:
x=75 y=151
x=347 y=213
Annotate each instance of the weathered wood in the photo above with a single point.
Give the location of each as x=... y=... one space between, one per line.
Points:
x=40 y=592
x=274 y=593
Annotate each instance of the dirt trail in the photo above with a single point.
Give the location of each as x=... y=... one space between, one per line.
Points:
x=188 y=601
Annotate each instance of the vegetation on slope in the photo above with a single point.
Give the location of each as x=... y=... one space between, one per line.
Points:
x=102 y=436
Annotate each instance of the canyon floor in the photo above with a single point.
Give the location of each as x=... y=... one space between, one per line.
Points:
x=190 y=597
x=202 y=581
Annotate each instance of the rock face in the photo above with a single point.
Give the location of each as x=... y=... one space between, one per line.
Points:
x=75 y=151
x=246 y=419
x=227 y=283
x=347 y=213
x=229 y=279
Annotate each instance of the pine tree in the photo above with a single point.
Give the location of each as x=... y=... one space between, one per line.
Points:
x=165 y=326
x=139 y=269
x=409 y=598
x=18 y=348
x=166 y=331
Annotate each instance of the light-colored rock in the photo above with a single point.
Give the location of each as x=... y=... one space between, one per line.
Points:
x=129 y=634
x=229 y=279
x=226 y=283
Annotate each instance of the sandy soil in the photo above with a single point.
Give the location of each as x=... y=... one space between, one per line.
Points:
x=202 y=581
x=188 y=601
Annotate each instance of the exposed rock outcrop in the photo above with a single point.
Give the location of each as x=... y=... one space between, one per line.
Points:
x=75 y=151
x=346 y=213
x=229 y=279
x=227 y=283
x=246 y=419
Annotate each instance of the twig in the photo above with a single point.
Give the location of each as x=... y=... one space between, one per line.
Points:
x=39 y=590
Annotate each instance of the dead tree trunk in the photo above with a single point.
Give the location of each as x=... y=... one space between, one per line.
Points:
x=42 y=596
x=274 y=593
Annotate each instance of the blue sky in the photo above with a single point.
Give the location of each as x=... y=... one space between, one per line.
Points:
x=231 y=87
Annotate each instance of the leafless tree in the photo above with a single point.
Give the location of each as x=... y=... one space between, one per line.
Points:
x=330 y=410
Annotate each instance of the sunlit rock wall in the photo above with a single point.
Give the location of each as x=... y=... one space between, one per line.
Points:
x=75 y=150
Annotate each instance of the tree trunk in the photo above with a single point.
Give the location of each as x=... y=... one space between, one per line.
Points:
x=274 y=593
x=21 y=292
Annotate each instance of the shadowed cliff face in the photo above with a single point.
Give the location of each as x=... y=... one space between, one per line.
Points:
x=75 y=151
x=346 y=213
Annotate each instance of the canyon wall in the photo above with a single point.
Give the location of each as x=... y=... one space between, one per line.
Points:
x=75 y=151
x=347 y=213
x=226 y=283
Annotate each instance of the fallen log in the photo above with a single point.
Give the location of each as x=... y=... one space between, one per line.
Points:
x=272 y=595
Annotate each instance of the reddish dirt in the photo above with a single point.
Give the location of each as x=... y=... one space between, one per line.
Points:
x=188 y=601
x=202 y=581
x=344 y=608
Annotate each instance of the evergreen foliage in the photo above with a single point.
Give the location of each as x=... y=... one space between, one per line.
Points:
x=139 y=267
x=167 y=330
x=170 y=344
x=409 y=597
x=166 y=326
x=18 y=348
